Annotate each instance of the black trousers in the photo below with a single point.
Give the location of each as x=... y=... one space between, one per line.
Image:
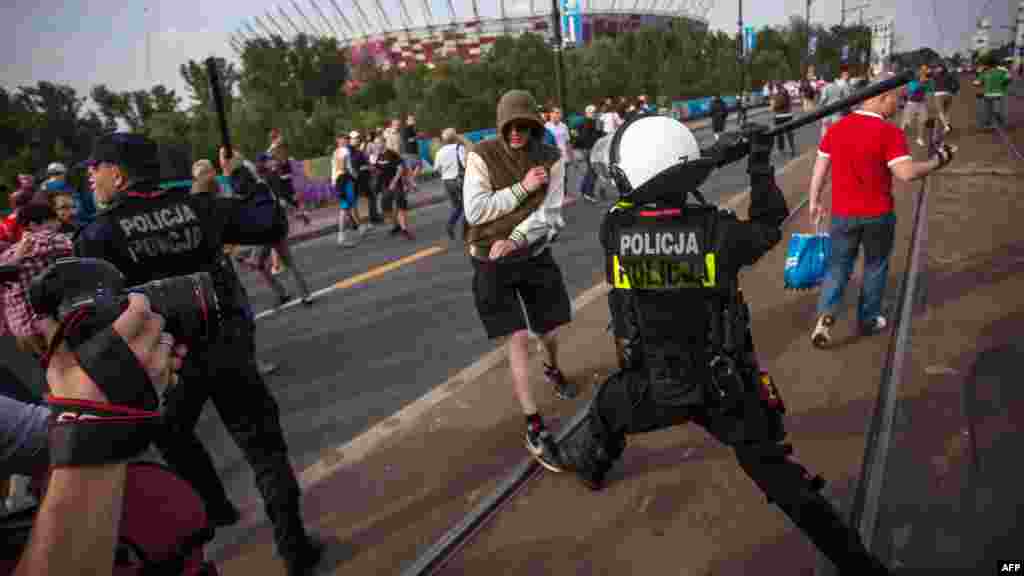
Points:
x=225 y=373
x=625 y=405
x=788 y=136
x=366 y=186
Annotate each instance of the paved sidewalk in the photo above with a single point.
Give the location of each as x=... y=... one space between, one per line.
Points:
x=952 y=501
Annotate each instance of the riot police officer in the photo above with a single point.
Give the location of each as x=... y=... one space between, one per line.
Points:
x=683 y=328
x=150 y=234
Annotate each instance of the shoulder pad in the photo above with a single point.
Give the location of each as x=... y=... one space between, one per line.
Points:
x=95 y=230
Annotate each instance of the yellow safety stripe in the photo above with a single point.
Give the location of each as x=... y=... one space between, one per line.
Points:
x=620 y=279
x=709 y=265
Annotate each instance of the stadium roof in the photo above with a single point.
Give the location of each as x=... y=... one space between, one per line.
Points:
x=353 y=21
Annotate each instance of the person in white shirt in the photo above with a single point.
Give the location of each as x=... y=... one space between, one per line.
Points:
x=451 y=162
x=610 y=120
x=561 y=133
x=832 y=93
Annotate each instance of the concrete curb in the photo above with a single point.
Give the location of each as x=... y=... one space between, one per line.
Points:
x=414 y=204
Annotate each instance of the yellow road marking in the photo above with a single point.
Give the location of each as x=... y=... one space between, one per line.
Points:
x=385 y=268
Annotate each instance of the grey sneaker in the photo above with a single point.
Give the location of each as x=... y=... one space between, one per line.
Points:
x=563 y=388
x=877 y=325
x=822 y=335
x=265 y=368
x=542 y=446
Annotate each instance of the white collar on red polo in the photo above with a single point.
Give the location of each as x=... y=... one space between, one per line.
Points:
x=872 y=114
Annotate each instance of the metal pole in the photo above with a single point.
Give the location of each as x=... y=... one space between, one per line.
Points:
x=807 y=44
x=556 y=29
x=740 y=49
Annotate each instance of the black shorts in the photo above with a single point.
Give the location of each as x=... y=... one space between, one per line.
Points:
x=504 y=290
x=397 y=199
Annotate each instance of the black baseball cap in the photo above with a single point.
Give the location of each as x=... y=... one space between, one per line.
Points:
x=133 y=151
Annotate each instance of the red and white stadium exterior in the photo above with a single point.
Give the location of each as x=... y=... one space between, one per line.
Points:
x=401 y=33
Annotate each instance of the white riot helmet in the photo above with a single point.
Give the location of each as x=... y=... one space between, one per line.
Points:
x=651 y=156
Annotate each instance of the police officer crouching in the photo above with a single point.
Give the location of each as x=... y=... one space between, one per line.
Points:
x=150 y=234
x=682 y=327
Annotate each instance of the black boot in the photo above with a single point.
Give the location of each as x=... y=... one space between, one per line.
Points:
x=839 y=542
x=590 y=453
x=304 y=560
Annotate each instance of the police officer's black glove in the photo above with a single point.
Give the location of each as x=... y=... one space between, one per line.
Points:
x=945 y=154
x=731 y=147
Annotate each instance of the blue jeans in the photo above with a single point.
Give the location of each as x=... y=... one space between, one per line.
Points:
x=876 y=234
x=454 y=190
x=991 y=111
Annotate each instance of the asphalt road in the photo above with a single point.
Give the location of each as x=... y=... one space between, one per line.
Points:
x=366 y=349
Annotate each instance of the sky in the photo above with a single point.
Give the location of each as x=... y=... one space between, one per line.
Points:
x=87 y=42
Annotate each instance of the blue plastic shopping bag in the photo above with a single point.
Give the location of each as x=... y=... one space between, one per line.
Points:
x=807 y=259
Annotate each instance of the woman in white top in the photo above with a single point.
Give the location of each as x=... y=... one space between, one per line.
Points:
x=451 y=162
x=610 y=120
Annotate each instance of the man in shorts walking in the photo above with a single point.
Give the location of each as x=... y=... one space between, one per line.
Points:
x=344 y=184
x=512 y=191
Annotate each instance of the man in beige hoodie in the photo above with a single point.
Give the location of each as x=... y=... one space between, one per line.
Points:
x=512 y=200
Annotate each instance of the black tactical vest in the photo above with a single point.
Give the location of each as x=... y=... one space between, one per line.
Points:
x=155 y=235
x=664 y=266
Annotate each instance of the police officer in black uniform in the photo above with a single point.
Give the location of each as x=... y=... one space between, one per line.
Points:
x=149 y=234
x=682 y=326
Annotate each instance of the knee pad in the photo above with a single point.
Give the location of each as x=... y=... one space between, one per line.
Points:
x=783 y=481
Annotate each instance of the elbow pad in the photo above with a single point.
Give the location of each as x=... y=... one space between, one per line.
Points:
x=767 y=204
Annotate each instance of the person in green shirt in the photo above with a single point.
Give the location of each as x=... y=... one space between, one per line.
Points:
x=994 y=80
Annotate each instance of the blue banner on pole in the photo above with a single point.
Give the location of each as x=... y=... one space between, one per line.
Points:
x=572 y=24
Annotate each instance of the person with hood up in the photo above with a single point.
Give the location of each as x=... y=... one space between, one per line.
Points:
x=512 y=199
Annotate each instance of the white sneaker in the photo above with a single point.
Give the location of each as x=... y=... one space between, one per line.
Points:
x=878 y=324
x=265 y=368
x=821 y=337
x=367 y=229
x=948 y=128
x=920 y=142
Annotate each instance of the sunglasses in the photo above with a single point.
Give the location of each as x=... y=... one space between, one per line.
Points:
x=521 y=128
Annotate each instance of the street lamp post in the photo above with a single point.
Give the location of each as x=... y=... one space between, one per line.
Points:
x=556 y=39
x=807 y=46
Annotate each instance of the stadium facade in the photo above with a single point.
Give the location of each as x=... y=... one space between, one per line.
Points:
x=403 y=33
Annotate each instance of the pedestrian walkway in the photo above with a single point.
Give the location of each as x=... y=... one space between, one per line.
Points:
x=951 y=500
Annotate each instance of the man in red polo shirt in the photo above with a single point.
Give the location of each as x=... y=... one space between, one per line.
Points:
x=864 y=151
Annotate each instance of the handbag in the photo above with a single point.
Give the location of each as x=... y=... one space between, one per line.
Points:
x=807 y=259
